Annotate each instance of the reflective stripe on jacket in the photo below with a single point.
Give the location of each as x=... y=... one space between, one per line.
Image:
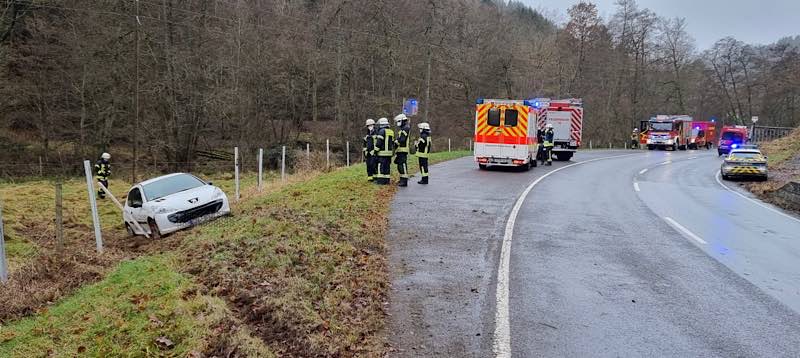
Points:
x=385 y=141
x=402 y=140
x=423 y=145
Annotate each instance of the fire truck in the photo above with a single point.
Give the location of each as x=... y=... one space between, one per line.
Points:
x=702 y=134
x=503 y=136
x=669 y=132
x=566 y=116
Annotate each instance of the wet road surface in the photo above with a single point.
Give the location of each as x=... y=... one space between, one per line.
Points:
x=599 y=266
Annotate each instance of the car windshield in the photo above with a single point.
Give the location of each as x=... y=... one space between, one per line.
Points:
x=171 y=185
x=732 y=136
x=661 y=126
x=745 y=155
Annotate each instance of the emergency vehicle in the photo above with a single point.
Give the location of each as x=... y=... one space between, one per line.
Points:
x=668 y=132
x=702 y=134
x=731 y=137
x=503 y=136
x=566 y=116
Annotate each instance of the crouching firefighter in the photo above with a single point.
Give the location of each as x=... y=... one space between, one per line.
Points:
x=368 y=147
x=401 y=159
x=384 y=143
x=103 y=170
x=423 y=150
x=548 y=144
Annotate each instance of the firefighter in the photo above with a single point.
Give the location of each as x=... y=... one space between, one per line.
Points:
x=423 y=147
x=384 y=142
x=548 y=144
x=540 y=145
x=402 y=145
x=368 y=147
x=103 y=170
x=635 y=138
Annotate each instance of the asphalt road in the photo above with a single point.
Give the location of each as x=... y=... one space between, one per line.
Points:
x=675 y=265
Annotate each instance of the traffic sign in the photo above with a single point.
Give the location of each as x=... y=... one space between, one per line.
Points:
x=410 y=107
x=754 y=119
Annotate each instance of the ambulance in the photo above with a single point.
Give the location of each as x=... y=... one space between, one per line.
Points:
x=504 y=135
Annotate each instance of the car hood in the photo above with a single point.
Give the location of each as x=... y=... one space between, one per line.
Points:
x=186 y=199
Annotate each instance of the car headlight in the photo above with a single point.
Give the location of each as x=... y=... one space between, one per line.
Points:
x=669 y=141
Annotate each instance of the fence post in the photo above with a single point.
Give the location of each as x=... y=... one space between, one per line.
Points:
x=308 y=150
x=348 y=153
x=590 y=144
x=41 y=167
x=470 y=145
x=625 y=144
x=98 y=235
x=609 y=145
x=448 y=144
x=3 y=264
x=236 y=170
x=283 y=163
x=59 y=220
x=260 y=168
x=327 y=153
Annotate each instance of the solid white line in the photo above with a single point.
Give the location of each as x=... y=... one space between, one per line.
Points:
x=643 y=171
x=636 y=186
x=684 y=230
x=719 y=174
x=502 y=329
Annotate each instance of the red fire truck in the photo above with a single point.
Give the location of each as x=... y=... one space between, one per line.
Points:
x=668 y=132
x=702 y=134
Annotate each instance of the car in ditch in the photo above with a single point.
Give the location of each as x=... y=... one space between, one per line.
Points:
x=172 y=202
x=744 y=162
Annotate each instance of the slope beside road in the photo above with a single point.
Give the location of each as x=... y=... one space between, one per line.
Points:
x=599 y=266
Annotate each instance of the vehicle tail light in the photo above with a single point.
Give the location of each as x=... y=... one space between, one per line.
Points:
x=483 y=160
x=518 y=162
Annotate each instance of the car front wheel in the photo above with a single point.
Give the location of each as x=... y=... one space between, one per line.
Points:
x=155 y=233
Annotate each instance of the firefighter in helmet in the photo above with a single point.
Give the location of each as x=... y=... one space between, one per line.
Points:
x=368 y=148
x=384 y=143
x=635 y=138
x=548 y=144
x=423 y=147
x=402 y=145
x=102 y=169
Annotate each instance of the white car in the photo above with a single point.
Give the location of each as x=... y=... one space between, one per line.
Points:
x=170 y=203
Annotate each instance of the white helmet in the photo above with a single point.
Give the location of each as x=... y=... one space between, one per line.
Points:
x=370 y=122
x=105 y=156
x=400 y=118
x=635 y=129
x=548 y=125
x=424 y=126
x=383 y=122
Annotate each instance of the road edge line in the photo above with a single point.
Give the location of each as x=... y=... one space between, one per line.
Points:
x=683 y=230
x=501 y=341
x=754 y=201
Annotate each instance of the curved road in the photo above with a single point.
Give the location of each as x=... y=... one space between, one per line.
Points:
x=644 y=254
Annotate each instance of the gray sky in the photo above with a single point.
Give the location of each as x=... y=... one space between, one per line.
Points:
x=751 y=21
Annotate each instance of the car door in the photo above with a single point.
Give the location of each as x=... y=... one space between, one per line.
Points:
x=134 y=209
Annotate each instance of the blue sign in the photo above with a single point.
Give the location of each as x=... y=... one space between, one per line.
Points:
x=410 y=107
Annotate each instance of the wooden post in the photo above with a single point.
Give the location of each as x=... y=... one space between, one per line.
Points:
x=283 y=163
x=590 y=144
x=59 y=220
x=448 y=144
x=348 y=152
x=236 y=170
x=98 y=235
x=308 y=150
x=327 y=153
x=3 y=263
x=41 y=167
x=260 y=168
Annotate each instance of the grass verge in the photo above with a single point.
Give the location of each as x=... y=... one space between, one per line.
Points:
x=298 y=271
x=784 y=166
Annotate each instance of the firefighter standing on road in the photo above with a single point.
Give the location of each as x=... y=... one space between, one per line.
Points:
x=384 y=141
x=548 y=144
x=423 y=150
x=401 y=159
x=635 y=138
x=368 y=147
x=103 y=170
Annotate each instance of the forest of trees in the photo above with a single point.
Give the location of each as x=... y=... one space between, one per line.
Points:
x=165 y=78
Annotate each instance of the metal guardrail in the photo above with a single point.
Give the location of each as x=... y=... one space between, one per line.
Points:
x=764 y=134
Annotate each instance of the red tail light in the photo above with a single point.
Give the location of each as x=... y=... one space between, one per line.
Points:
x=518 y=162
x=483 y=160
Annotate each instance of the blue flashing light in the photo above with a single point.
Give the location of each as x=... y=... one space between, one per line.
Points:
x=734 y=146
x=479 y=101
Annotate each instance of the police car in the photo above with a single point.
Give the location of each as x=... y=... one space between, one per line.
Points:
x=745 y=162
x=170 y=203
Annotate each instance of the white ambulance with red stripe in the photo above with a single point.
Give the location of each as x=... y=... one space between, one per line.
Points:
x=503 y=136
x=566 y=116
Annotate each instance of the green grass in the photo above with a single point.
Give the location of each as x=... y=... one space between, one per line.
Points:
x=303 y=265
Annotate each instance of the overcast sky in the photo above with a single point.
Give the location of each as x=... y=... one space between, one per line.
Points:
x=752 y=21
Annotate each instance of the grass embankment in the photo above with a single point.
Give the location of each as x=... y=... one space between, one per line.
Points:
x=784 y=166
x=299 y=270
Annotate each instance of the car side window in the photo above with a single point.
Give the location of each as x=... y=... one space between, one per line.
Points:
x=135 y=198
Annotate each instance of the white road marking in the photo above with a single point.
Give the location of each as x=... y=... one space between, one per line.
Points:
x=643 y=171
x=690 y=158
x=719 y=174
x=665 y=163
x=502 y=330
x=684 y=230
x=636 y=186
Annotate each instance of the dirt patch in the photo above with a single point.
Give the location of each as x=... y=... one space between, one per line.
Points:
x=779 y=176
